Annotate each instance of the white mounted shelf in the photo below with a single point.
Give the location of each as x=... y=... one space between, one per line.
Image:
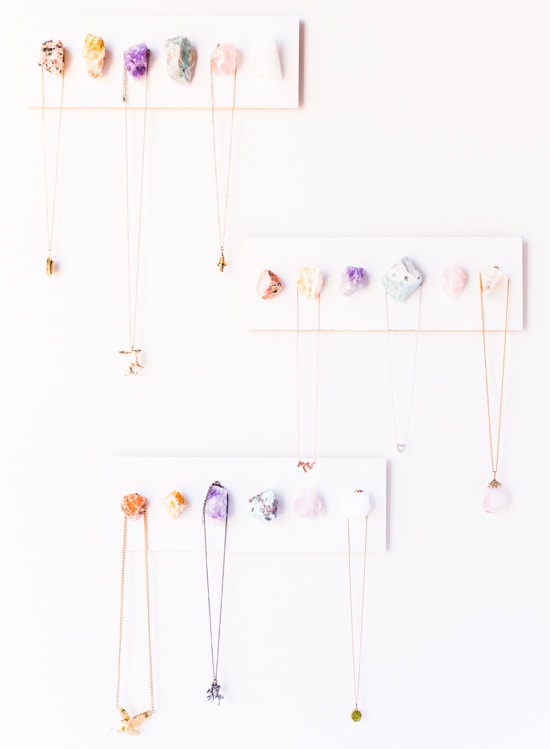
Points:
x=332 y=478
x=365 y=310
x=205 y=32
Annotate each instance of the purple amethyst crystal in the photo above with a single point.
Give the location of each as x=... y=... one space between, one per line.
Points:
x=215 y=504
x=353 y=278
x=135 y=60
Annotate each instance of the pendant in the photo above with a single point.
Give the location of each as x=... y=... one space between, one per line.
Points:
x=401 y=447
x=134 y=365
x=214 y=693
x=356 y=715
x=221 y=262
x=495 y=498
x=130 y=724
x=50 y=266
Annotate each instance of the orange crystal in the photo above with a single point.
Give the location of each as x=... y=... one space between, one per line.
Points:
x=133 y=505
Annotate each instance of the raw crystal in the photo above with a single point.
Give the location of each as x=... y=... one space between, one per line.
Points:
x=215 y=504
x=93 y=53
x=136 y=60
x=174 y=504
x=224 y=59
x=356 y=715
x=51 y=57
x=310 y=282
x=453 y=280
x=495 y=498
x=264 y=506
x=269 y=284
x=133 y=505
x=357 y=504
x=181 y=58
x=353 y=278
x=491 y=279
x=309 y=505
x=266 y=61
x=401 y=280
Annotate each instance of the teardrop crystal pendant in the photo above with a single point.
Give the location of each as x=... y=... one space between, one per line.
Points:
x=356 y=715
x=495 y=498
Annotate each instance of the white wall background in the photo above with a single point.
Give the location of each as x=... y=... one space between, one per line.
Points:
x=424 y=117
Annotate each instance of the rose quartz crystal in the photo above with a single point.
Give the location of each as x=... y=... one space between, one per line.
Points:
x=453 y=280
x=224 y=59
x=309 y=505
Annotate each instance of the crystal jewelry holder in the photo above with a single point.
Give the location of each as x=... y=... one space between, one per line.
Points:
x=332 y=478
x=365 y=310
x=248 y=33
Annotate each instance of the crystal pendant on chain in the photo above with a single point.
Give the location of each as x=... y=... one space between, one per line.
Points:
x=221 y=262
x=50 y=266
x=495 y=498
x=214 y=693
x=356 y=715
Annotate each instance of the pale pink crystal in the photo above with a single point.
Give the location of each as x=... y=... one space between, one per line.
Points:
x=453 y=280
x=224 y=59
x=309 y=505
x=491 y=279
x=357 y=504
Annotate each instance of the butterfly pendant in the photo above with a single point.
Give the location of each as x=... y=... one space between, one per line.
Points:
x=129 y=725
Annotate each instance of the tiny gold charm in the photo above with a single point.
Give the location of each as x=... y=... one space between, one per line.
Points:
x=128 y=724
x=134 y=365
x=221 y=262
x=356 y=715
x=305 y=465
x=50 y=266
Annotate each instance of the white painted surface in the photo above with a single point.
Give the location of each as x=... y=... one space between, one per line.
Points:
x=420 y=118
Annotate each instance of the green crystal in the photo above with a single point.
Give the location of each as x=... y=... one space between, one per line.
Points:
x=356 y=715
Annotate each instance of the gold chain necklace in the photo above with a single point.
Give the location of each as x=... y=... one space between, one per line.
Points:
x=50 y=208
x=134 y=506
x=222 y=223
x=134 y=365
x=495 y=497
x=356 y=714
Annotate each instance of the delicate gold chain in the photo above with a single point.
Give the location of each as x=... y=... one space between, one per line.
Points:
x=222 y=225
x=50 y=222
x=495 y=454
x=147 y=606
x=401 y=445
x=133 y=288
x=357 y=668
x=305 y=465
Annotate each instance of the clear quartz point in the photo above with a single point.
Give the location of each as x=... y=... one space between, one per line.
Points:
x=495 y=498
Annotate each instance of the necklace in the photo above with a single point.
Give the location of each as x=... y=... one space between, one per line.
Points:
x=310 y=282
x=495 y=497
x=356 y=714
x=216 y=506
x=402 y=437
x=223 y=60
x=136 y=62
x=133 y=507
x=52 y=61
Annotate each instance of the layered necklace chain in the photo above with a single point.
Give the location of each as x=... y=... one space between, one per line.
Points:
x=222 y=219
x=495 y=497
x=130 y=723
x=133 y=267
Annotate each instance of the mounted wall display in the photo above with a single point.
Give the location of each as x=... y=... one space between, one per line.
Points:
x=268 y=60
x=245 y=480
x=355 y=271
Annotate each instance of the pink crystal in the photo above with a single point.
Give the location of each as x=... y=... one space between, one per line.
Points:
x=269 y=284
x=52 y=57
x=491 y=279
x=224 y=59
x=453 y=280
x=309 y=505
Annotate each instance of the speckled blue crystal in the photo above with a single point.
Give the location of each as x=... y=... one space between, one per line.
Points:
x=180 y=58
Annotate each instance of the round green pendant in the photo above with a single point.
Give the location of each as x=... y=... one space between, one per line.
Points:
x=356 y=715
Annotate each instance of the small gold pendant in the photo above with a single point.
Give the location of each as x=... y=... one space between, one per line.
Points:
x=50 y=266
x=221 y=262
x=134 y=366
x=129 y=724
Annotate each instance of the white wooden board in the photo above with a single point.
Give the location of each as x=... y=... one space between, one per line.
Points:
x=332 y=478
x=204 y=32
x=366 y=309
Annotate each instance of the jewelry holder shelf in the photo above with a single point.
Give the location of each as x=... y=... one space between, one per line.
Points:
x=248 y=34
x=332 y=478
x=365 y=310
